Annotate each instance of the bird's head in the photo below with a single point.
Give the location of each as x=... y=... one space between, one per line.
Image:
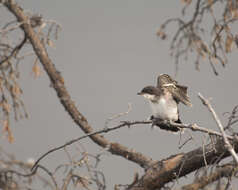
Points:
x=149 y=92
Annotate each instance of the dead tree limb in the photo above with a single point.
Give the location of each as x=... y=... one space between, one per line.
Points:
x=180 y=165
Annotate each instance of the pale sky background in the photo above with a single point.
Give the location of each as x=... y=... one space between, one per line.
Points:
x=107 y=52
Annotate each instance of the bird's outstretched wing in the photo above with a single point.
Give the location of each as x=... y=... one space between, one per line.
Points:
x=165 y=79
x=179 y=92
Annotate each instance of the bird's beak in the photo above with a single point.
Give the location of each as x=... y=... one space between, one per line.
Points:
x=139 y=93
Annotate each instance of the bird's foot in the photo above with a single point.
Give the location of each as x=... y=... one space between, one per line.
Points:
x=165 y=125
x=179 y=130
x=155 y=121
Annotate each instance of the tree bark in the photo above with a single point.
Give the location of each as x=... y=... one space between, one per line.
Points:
x=180 y=165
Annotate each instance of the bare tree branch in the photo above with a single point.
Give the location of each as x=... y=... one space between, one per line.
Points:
x=5 y=172
x=218 y=122
x=14 y=52
x=65 y=99
x=189 y=35
x=193 y=127
x=226 y=170
x=105 y=130
x=180 y=165
x=189 y=162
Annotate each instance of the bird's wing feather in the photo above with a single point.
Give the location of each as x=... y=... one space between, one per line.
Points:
x=179 y=92
x=165 y=79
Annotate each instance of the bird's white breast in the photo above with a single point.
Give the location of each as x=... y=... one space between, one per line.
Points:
x=165 y=110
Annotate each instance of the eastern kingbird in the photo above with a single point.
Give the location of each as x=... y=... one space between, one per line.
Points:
x=164 y=100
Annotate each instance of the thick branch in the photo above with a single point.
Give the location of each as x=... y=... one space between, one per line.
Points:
x=65 y=99
x=182 y=164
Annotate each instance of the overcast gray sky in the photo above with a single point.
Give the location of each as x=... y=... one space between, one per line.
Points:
x=107 y=52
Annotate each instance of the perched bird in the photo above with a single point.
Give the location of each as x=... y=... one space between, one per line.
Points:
x=164 y=100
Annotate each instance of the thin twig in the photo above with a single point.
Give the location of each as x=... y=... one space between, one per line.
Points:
x=190 y=138
x=14 y=51
x=116 y=116
x=105 y=130
x=218 y=122
x=31 y=173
